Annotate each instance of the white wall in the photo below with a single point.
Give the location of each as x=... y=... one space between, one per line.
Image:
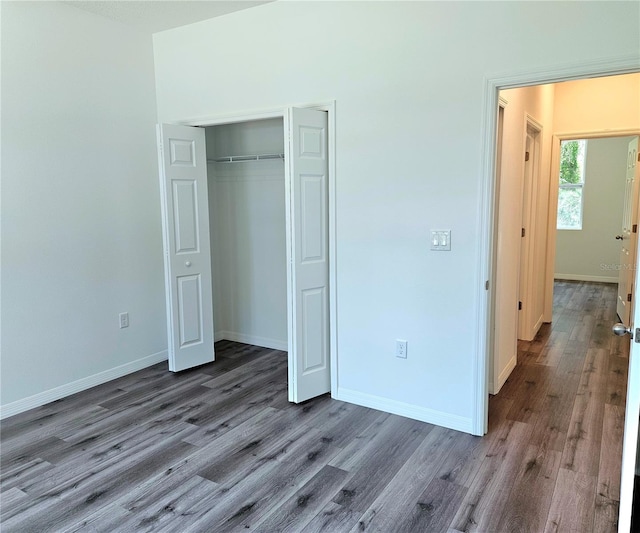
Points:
x=511 y=324
x=592 y=253
x=408 y=81
x=247 y=217
x=81 y=236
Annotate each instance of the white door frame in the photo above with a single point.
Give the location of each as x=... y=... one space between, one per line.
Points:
x=487 y=205
x=494 y=370
x=530 y=201
x=330 y=108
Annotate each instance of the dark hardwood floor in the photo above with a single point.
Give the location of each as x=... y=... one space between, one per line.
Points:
x=219 y=448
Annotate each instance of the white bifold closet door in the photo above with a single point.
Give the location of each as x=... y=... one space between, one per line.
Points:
x=187 y=253
x=185 y=219
x=308 y=197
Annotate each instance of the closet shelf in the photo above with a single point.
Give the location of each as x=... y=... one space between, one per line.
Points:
x=243 y=158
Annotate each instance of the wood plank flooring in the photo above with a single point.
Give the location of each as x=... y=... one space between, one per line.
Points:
x=219 y=448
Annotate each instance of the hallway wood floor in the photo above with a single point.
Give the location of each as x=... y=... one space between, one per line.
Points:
x=219 y=448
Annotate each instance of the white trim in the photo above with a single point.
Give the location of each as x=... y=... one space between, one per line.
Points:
x=538 y=325
x=333 y=247
x=581 y=277
x=506 y=372
x=265 y=342
x=597 y=134
x=233 y=118
x=485 y=262
x=534 y=123
x=51 y=395
x=486 y=241
x=554 y=74
x=249 y=116
x=431 y=416
x=164 y=215
x=530 y=190
x=288 y=202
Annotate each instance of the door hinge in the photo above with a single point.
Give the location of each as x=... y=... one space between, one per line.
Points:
x=486 y=285
x=634 y=228
x=526 y=156
x=629 y=297
x=519 y=306
x=523 y=232
x=639 y=156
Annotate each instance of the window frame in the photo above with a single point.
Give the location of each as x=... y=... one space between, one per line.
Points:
x=573 y=186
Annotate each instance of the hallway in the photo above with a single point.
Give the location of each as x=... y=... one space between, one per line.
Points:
x=564 y=405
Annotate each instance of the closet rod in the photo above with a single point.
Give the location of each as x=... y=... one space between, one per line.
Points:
x=243 y=158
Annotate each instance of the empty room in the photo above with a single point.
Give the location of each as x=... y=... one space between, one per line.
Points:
x=306 y=266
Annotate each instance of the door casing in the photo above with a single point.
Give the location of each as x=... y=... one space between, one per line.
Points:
x=494 y=370
x=485 y=263
x=329 y=107
x=528 y=324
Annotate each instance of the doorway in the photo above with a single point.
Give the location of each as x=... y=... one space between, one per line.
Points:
x=596 y=235
x=525 y=235
x=547 y=220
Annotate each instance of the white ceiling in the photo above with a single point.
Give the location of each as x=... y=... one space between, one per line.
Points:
x=158 y=15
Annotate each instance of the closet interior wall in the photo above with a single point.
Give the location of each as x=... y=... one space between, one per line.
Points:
x=248 y=233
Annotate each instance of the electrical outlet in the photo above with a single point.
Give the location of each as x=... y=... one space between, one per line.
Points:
x=124 y=320
x=401 y=348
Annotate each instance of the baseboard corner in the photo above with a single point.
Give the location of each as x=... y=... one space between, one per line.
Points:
x=415 y=412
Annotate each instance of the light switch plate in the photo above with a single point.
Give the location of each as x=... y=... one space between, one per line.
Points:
x=441 y=240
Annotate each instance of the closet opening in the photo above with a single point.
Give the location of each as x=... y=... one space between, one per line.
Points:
x=247 y=229
x=249 y=240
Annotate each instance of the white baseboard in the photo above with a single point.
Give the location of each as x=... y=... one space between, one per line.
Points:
x=581 y=277
x=529 y=335
x=51 y=395
x=431 y=416
x=506 y=372
x=265 y=342
x=538 y=325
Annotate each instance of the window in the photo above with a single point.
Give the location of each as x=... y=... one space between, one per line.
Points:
x=570 y=195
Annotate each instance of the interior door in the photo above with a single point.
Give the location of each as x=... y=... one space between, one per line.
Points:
x=525 y=238
x=628 y=238
x=632 y=414
x=187 y=254
x=308 y=248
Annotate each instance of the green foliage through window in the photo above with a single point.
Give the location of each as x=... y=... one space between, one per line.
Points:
x=571 y=157
x=570 y=195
